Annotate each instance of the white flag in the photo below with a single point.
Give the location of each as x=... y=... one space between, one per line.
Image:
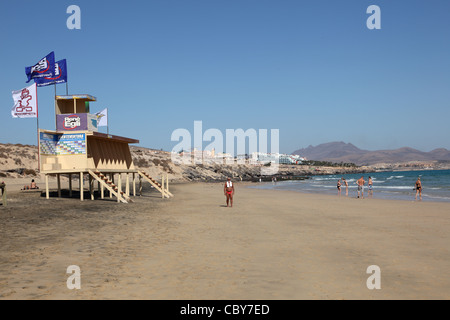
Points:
x=25 y=103
x=102 y=118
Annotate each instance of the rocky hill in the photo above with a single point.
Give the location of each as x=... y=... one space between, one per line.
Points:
x=18 y=161
x=348 y=153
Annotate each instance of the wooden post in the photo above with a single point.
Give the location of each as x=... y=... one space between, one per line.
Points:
x=111 y=177
x=102 y=191
x=127 y=187
x=47 y=193
x=81 y=186
x=70 y=185
x=134 y=185
x=119 y=190
x=162 y=186
x=58 y=177
x=140 y=186
x=91 y=187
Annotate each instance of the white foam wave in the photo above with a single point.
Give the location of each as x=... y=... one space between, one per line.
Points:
x=397 y=187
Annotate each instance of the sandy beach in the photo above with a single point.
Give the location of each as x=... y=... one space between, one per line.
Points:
x=270 y=245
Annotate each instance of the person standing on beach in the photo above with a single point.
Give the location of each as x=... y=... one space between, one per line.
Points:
x=228 y=190
x=361 y=183
x=346 y=186
x=419 y=188
x=370 y=184
x=339 y=187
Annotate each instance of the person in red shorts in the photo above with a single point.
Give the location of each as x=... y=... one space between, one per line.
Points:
x=228 y=190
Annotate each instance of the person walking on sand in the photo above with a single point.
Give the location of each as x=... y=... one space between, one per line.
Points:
x=361 y=183
x=419 y=188
x=346 y=186
x=228 y=190
x=339 y=187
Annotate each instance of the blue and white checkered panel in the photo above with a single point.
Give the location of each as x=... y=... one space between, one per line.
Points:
x=71 y=147
x=48 y=147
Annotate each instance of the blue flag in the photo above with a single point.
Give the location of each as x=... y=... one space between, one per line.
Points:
x=59 y=75
x=44 y=68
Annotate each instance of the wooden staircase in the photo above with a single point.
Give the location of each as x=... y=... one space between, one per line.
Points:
x=114 y=189
x=155 y=184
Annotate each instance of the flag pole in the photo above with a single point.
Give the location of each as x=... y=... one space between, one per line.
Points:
x=37 y=126
x=67 y=89
x=56 y=125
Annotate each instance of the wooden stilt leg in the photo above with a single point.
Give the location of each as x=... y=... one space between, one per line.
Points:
x=91 y=187
x=111 y=178
x=119 y=185
x=127 y=187
x=70 y=185
x=58 y=177
x=134 y=185
x=47 y=193
x=81 y=186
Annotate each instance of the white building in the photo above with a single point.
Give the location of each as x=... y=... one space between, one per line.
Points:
x=264 y=158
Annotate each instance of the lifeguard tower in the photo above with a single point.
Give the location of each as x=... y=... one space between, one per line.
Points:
x=77 y=148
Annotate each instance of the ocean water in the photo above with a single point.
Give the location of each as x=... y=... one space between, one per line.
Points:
x=397 y=185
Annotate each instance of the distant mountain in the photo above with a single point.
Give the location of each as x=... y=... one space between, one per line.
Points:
x=347 y=152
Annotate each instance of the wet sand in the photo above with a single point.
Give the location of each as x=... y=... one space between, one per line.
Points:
x=270 y=245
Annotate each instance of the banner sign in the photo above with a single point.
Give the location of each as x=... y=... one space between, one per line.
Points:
x=25 y=103
x=76 y=122
x=44 y=68
x=62 y=144
x=59 y=75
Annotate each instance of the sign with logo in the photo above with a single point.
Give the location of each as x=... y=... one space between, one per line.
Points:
x=59 y=75
x=76 y=122
x=25 y=103
x=44 y=68
x=72 y=122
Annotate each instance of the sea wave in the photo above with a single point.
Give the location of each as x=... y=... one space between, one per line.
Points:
x=397 y=177
x=435 y=196
x=397 y=187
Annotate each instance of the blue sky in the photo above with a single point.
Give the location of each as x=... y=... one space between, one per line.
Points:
x=311 y=69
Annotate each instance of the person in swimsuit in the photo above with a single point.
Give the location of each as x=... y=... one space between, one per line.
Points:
x=339 y=187
x=370 y=184
x=346 y=186
x=228 y=190
x=33 y=186
x=361 y=183
x=419 y=188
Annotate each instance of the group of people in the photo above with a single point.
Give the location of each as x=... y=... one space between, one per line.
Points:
x=229 y=188
x=360 y=182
